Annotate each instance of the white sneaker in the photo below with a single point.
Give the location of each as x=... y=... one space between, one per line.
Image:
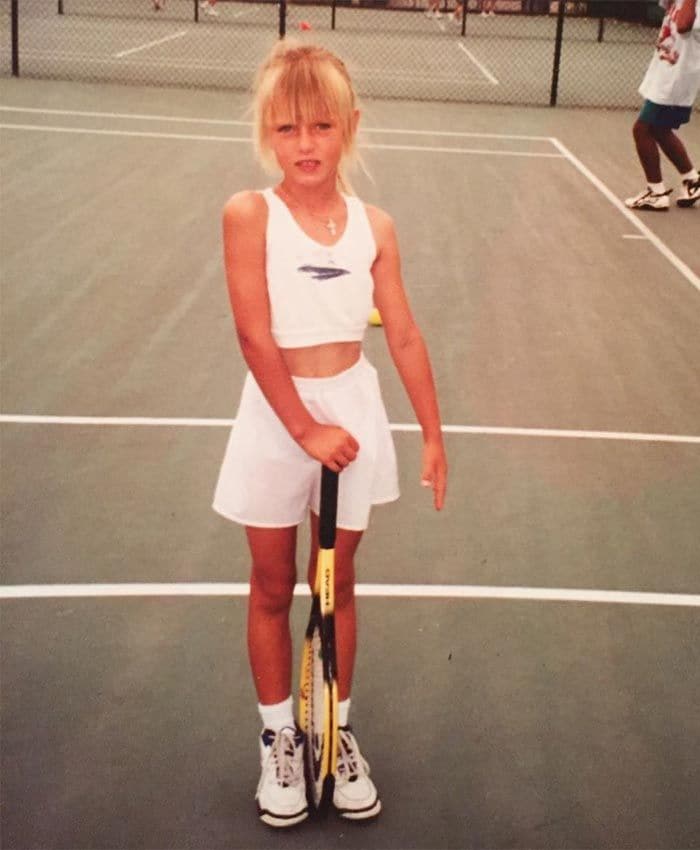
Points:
x=690 y=193
x=281 y=794
x=648 y=200
x=355 y=796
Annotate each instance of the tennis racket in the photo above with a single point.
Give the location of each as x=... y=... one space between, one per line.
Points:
x=318 y=693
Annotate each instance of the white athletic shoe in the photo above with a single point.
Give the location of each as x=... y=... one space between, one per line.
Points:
x=690 y=193
x=281 y=794
x=648 y=200
x=355 y=796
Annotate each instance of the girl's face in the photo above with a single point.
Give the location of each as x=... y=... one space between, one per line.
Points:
x=307 y=151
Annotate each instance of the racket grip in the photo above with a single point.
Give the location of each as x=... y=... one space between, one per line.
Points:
x=329 y=508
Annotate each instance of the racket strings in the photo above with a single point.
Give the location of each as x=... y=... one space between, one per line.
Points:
x=287 y=753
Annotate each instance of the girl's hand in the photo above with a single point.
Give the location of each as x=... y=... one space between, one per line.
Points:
x=335 y=447
x=434 y=472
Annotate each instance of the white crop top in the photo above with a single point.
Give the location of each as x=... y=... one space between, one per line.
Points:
x=318 y=293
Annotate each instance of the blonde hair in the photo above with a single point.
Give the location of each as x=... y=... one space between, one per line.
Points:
x=301 y=82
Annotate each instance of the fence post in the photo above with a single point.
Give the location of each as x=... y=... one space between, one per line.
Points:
x=333 y=16
x=15 y=38
x=557 y=53
x=464 y=17
x=60 y=7
x=283 y=18
x=601 y=29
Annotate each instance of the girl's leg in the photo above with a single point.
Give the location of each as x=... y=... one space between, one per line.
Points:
x=272 y=582
x=647 y=150
x=346 y=544
x=673 y=147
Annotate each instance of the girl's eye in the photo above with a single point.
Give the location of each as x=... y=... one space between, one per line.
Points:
x=323 y=125
x=285 y=128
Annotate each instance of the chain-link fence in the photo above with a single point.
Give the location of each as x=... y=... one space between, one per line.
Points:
x=499 y=51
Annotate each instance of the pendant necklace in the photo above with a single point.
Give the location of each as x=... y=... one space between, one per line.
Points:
x=327 y=220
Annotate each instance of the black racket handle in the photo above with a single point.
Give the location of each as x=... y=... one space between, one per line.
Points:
x=329 y=508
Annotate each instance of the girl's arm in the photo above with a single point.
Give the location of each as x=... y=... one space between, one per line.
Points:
x=408 y=351
x=244 y=225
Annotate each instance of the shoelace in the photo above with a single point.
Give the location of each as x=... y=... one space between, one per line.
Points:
x=350 y=762
x=289 y=763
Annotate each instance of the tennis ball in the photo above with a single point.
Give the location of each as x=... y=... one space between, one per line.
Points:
x=304 y=25
x=374 y=318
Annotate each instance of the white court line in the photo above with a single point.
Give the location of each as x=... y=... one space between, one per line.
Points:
x=678 y=264
x=41 y=128
x=633 y=236
x=176 y=64
x=405 y=427
x=396 y=591
x=135 y=116
x=484 y=70
x=150 y=44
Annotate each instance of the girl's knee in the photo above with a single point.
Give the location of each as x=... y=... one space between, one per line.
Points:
x=272 y=590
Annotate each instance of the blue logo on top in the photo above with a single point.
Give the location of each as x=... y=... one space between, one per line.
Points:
x=323 y=272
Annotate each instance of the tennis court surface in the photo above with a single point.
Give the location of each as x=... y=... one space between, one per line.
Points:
x=528 y=668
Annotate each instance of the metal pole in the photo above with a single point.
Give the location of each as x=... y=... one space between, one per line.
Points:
x=283 y=18
x=557 y=54
x=333 y=15
x=464 y=17
x=60 y=7
x=196 y=12
x=15 y=38
x=601 y=29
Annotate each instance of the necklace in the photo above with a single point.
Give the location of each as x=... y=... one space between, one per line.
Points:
x=327 y=220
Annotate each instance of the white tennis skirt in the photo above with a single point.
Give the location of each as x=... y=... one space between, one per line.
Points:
x=267 y=480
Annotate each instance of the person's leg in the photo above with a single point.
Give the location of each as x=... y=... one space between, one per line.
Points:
x=655 y=197
x=647 y=151
x=672 y=146
x=281 y=792
x=273 y=576
x=346 y=544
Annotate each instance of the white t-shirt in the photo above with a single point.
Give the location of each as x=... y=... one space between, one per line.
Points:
x=673 y=75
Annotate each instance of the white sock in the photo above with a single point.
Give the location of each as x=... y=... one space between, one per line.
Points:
x=692 y=175
x=658 y=188
x=279 y=715
x=343 y=712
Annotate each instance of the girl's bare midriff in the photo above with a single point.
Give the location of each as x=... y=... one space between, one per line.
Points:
x=321 y=361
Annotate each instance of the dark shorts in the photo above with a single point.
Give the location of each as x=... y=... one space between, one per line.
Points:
x=664 y=116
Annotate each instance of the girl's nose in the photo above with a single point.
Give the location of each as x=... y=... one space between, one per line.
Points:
x=305 y=139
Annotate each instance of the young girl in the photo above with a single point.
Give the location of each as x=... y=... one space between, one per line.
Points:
x=303 y=262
